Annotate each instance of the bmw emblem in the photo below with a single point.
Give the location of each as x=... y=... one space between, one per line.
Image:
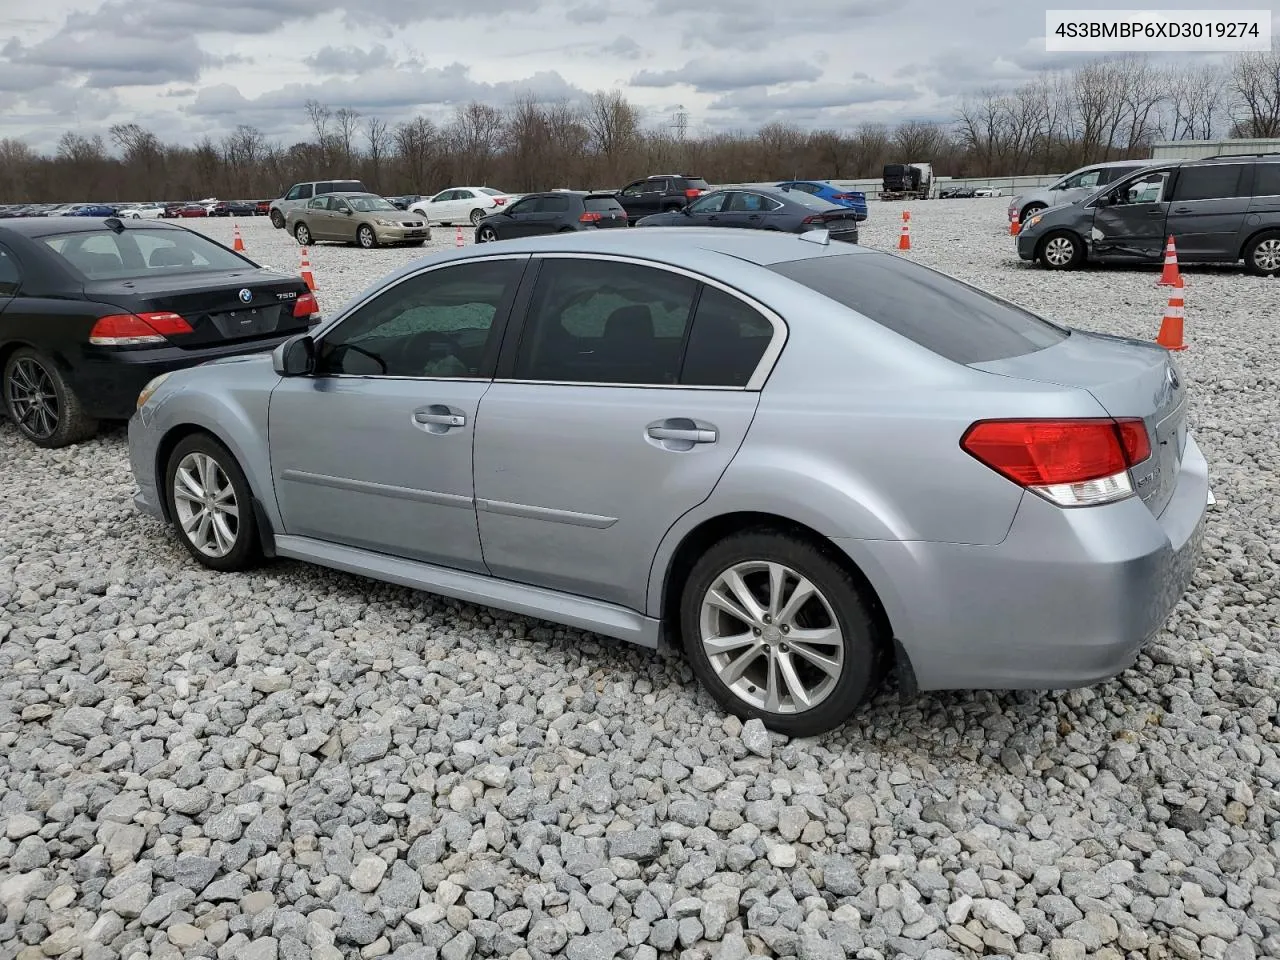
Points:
x=246 y=295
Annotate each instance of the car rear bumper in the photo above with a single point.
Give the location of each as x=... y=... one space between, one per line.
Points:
x=108 y=384
x=1067 y=599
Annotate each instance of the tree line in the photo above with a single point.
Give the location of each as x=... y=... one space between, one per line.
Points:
x=1113 y=108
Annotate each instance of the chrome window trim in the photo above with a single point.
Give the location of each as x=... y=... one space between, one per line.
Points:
x=754 y=384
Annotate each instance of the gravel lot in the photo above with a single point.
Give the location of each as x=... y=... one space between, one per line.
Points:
x=301 y=764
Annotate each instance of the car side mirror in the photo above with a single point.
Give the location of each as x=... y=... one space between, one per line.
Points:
x=347 y=211
x=296 y=357
x=1104 y=200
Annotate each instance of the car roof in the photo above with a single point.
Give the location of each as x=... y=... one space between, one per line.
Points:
x=52 y=226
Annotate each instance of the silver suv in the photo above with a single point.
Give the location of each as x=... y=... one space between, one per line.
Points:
x=1074 y=186
x=297 y=196
x=1218 y=210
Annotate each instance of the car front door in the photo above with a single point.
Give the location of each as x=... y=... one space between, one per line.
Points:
x=548 y=217
x=373 y=450
x=707 y=210
x=1208 y=210
x=1132 y=225
x=601 y=429
x=438 y=209
x=520 y=220
x=318 y=218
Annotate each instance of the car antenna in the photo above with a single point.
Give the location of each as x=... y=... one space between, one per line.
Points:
x=115 y=223
x=817 y=236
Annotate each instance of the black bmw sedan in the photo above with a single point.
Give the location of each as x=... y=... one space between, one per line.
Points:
x=788 y=211
x=91 y=310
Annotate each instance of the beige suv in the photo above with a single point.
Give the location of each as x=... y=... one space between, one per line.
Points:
x=365 y=219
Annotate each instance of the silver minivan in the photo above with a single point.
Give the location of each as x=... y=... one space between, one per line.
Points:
x=298 y=195
x=1074 y=186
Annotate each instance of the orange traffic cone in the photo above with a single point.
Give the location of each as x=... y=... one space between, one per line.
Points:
x=1015 y=226
x=1170 y=336
x=904 y=241
x=906 y=214
x=306 y=271
x=1170 y=277
x=238 y=244
x=459 y=241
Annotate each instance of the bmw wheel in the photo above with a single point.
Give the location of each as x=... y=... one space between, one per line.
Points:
x=366 y=237
x=776 y=629
x=41 y=403
x=210 y=504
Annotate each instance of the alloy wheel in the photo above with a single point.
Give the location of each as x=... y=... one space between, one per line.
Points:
x=206 y=504
x=1266 y=255
x=33 y=401
x=486 y=235
x=367 y=239
x=771 y=637
x=1059 y=251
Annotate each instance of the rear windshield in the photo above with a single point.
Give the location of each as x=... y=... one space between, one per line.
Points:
x=810 y=201
x=941 y=314
x=697 y=183
x=341 y=186
x=602 y=203
x=492 y=192
x=104 y=255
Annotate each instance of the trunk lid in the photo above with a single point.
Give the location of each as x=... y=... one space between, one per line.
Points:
x=1129 y=378
x=214 y=304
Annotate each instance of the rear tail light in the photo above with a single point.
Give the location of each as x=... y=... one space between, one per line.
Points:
x=692 y=192
x=589 y=217
x=499 y=201
x=842 y=196
x=814 y=218
x=132 y=329
x=1073 y=463
x=306 y=306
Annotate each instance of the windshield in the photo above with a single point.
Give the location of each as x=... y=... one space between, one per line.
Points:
x=492 y=192
x=135 y=253
x=370 y=204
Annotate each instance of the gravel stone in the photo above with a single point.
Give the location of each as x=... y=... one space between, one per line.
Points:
x=298 y=763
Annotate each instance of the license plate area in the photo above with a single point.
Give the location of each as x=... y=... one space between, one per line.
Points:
x=249 y=322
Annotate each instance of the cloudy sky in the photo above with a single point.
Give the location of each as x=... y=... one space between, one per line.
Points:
x=184 y=68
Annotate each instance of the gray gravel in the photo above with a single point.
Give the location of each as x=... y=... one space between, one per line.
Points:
x=301 y=764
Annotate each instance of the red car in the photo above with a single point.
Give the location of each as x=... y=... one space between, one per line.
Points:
x=192 y=210
x=264 y=207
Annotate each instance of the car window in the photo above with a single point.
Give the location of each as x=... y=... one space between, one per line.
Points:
x=1266 y=180
x=339 y=204
x=491 y=192
x=9 y=275
x=696 y=183
x=1219 y=181
x=295 y=192
x=941 y=314
x=464 y=195
x=751 y=203
x=712 y=203
x=726 y=342
x=304 y=192
x=602 y=205
x=327 y=186
x=600 y=321
x=1149 y=188
x=527 y=205
x=141 y=253
x=554 y=205
x=436 y=324
x=633 y=189
x=1111 y=174
x=318 y=203
x=1090 y=178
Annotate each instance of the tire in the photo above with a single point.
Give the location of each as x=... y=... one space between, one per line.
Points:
x=486 y=235
x=226 y=543
x=366 y=238
x=1061 y=250
x=1262 y=254
x=1030 y=210
x=302 y=234
x=837 y=603
x=476 y=216
x=135 y=216
x=277 y=219
x=41 y=403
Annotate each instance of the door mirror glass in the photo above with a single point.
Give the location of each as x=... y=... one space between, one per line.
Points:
x=295 y=357
x=1104 y=200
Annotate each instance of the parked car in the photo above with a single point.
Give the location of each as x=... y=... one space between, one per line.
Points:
x=794 y=402
x=404 y=202
x=141 y=211
x=557 y=211
x=826 y=190
x=234 y=208
x=958 y=193
x=91 y=310
x=262 y=208
x=188 y=210
x=1075 y=186
x=762 y=209
x=90 y=210
x=461 y=205
x=988 y=192
x=362 y=218
x=298 y=195
x=1218 y=210
x=660 y=194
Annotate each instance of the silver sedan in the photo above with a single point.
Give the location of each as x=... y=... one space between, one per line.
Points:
x=803 y=463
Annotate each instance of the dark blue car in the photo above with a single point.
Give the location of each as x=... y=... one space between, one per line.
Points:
x=826 y=190
x=91 y=210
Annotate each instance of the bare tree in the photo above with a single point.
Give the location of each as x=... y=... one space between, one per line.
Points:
x=346 y=123
x=416 y=148
x=377 y=138
x=613 y=125
x=475 y=132
x=1255 y=93
x=1197 y=96
x=320 y=117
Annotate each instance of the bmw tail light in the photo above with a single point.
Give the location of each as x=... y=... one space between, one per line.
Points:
x=1072 y=463
x=306 y=306
x=134 y=329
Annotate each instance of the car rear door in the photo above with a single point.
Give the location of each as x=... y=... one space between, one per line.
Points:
x=602 y=428
x=1208 y=211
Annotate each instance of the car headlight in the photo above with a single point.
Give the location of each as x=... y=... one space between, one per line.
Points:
x=388 y=223
x=1034 y=220
x=150 y=389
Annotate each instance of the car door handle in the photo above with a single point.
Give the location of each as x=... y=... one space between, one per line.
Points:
x=678 y=433
x=1183 y=210
x=440 y=419
x=1160 y=213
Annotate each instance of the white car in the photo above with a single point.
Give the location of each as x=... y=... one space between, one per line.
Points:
x=142 y=211
x=988 y=192
x=462 y=204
